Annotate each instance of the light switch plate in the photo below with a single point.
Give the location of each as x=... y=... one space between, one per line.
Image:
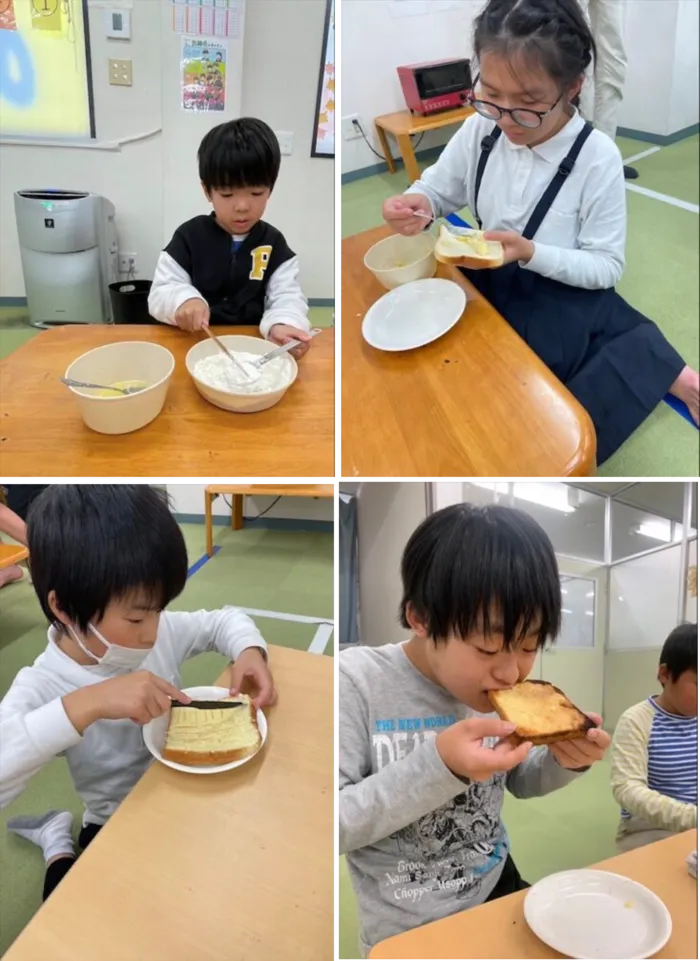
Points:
x=286 y=141
x=120 y=73
x=118 y=24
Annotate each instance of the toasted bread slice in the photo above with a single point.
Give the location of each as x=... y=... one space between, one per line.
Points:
x=467 y=249
x=205 y=736
x=541 y=712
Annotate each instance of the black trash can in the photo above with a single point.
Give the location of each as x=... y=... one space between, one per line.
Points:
x=130 y=302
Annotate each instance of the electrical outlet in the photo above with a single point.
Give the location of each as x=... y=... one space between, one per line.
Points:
x=120 y=73
x=351 y=127
x=286 y=142
x=127 y=263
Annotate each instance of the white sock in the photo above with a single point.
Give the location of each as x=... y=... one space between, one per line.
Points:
x=51 y=832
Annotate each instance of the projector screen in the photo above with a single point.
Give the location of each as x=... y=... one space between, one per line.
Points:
x=45 y=83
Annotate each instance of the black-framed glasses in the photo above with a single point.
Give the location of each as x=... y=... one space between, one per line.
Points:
x=524 y=118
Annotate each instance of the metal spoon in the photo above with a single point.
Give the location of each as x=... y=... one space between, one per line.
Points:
x=79 y=383
x=284 y=349
x=222 y=346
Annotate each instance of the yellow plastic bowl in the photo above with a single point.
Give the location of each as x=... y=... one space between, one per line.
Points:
x=398 y=260
x=131 y=360
x=241 y=403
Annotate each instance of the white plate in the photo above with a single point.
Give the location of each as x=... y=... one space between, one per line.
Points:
x=155 y=733
x=414 y=314
x=596 y=914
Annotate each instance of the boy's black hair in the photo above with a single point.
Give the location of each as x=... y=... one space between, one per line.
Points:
x=680 y=650
x=551 y=33
x=466 y=567
x=240 y=153
x=96 y=543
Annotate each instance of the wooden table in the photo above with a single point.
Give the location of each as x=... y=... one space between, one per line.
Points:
x=475 y=403
x=12 y=554
x=404 y=124
x=498 y=929
x=42 y=433
x=239 y=491
x=227 y=867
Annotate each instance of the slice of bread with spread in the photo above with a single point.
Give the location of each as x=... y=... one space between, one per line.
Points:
x=201 y=736
x=541 y=713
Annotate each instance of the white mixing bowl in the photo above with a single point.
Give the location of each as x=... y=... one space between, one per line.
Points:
x=241 y=402
x=398 y=260
x=130 y=360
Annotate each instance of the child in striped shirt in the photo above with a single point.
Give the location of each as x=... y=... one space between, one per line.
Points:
x=655 y=748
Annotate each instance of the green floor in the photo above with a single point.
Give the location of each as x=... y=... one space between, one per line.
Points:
x=661 y=280
x=283 y=571
x=572 y=828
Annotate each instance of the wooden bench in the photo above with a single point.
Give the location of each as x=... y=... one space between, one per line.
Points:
x=12 y=554
x=239 y=491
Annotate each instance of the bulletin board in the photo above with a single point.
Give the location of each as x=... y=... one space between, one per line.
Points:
x=324 y=124
x=45 y=77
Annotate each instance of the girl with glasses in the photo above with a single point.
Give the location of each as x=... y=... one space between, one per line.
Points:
x=550 y=188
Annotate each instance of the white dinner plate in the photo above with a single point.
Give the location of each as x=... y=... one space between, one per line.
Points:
x=414 y=314
x=155 y=732
x=597 y=914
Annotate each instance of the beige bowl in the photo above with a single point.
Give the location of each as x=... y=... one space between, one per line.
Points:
x=398 y=260
x=241 y=403
x=113 y=363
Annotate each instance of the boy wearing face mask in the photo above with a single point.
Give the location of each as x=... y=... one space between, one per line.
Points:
x=106 y=561
x=424 y=760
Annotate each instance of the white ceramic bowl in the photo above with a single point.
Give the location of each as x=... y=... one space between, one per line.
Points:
x=398 y=260
x=128 y=360
x=242 y=403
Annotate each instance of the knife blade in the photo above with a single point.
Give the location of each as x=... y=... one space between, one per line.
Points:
x=208 y=705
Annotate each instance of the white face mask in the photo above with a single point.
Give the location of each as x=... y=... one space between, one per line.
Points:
x=116 y=659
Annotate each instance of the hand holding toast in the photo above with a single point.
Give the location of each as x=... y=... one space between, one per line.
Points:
x=583 y=751
x=515 y=246
x=462 y=749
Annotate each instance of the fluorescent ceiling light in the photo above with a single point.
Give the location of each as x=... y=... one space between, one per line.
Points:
x=565 y=610
x=659 y=530
x=555 y=496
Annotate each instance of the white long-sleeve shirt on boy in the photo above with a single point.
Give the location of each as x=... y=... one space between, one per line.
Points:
x=108 y=759
x=581 y=240
x=421 y=843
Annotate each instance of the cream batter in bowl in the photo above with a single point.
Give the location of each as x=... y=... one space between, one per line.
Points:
x=220 y=382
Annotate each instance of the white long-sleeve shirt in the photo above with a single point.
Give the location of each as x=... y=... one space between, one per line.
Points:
x=581 y=240
x=109 y=757
x=285 y=302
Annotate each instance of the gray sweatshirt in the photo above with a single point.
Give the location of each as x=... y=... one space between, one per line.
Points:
x=420 y=842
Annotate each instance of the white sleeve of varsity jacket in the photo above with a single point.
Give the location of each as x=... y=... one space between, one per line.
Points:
x=34 y=729
x=373 y=806
x=285 y=302
x=171 y=287
x=227 y=630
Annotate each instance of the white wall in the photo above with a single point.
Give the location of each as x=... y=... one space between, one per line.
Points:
x=387 y=515
x=189 y=499
x=684 y=91
x=661 y=92
x=272 y=74
x=644 y=594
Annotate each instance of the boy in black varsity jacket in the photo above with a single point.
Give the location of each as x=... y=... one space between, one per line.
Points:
x=232 y=267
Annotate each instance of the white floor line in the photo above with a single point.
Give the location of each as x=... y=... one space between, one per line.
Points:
x=278 y=616
x=640 y=156
x=321 y=639
x=673 y=201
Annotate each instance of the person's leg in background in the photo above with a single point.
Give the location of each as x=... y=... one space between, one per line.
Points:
x=601 y=96
x=635 y=832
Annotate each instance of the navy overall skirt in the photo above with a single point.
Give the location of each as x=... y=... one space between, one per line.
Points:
x=614 y=360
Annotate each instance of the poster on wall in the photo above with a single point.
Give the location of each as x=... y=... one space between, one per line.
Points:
x=203 y=75
x=324 y=132
x=208 y=18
